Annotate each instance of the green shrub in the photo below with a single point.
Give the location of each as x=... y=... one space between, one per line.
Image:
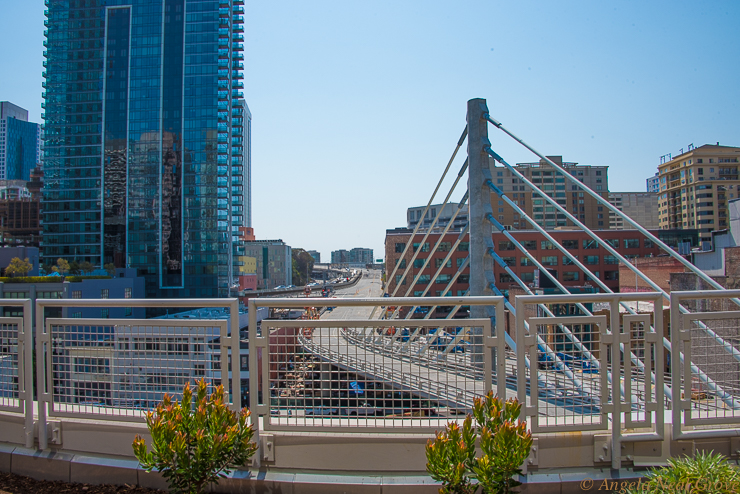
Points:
x=504 y=442
x=706 y=473
x=32 y=279
x=73 y=279
x=193 y=445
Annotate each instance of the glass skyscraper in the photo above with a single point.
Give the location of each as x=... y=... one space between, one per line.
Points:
x=19 y=143
x=146 y=155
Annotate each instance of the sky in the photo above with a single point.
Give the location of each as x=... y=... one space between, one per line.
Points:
x=357 y=106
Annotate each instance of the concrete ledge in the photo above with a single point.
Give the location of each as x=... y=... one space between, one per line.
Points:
x=246 y=482
x=103 y=470
x=310 y=483
x=96 y=469
x=152 y=480
x=41 y=465
x=6 y=454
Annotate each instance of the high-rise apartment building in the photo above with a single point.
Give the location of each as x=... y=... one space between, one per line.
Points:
x=695 y=188
x=551 y=182
x=147 y=140
x=20 y=143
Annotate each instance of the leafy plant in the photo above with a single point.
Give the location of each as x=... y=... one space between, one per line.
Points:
x=504 y=442
x=110 y=268
x=19 y=267
x=706 y=473
x=62 y=266
x=195 y=444
x=87 y=267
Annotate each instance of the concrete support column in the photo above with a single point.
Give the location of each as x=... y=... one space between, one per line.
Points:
x=481 y=231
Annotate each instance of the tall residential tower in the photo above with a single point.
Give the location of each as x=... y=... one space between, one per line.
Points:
x=147 y=140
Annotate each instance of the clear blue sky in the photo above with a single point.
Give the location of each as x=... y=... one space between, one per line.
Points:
x=358 y=105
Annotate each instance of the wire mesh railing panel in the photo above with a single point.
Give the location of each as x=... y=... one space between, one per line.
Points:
x=11 y=364
x=568 y=388
x=639 y=359
x=121 y=369
x=710 y=391
x=372 y=374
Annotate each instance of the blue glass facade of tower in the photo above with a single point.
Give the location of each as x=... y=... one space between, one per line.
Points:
x=143 y=139
x=21 y=147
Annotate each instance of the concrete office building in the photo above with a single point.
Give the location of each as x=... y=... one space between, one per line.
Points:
x=20 y=143
x=316 y=255
x=695 y=187
x=149 y=167
x=445 y=211
x=274 y=262
x=550 y=181
x=361 y=255
x=653 y=183
x=640 y=206
x=340 y=256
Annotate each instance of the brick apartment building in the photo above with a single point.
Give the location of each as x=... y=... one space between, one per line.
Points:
x=629 y=243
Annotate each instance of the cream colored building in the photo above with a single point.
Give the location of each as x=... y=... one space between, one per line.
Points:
x=551 y=182
x=640 y=206
x=695 y=187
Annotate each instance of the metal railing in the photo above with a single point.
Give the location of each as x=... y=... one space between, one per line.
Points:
x=352 y=373
x=708 y=377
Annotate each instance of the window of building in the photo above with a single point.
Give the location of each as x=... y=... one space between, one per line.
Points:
x=631 y=243
x=570 y=244
x=549 y=260
x=438 y=263
x=129 y=311
x=444 y=247
x=459 y=261
x=402 y=264
x=104 y=293
x=76 y=293
x=567 y=260
x=526 y=261
x=611 y=275
x=423 y=279
x=443 y=279
x=418 y=263
x=399 y=281
x=463 y=278
x=244 y=362
x=400 y=247
x=648 y=243
x=104 y=313
x=424 y=248
x=127 y=292
x=506 y=245
x=591 y=260
x=590 y=243
x=529 y=244
x=611 y=260
x=527 y=277
x=570 y=275
x=505 y=278
x=77 y=315
x=463 y=247
x=614 y=242
x=546 y=245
